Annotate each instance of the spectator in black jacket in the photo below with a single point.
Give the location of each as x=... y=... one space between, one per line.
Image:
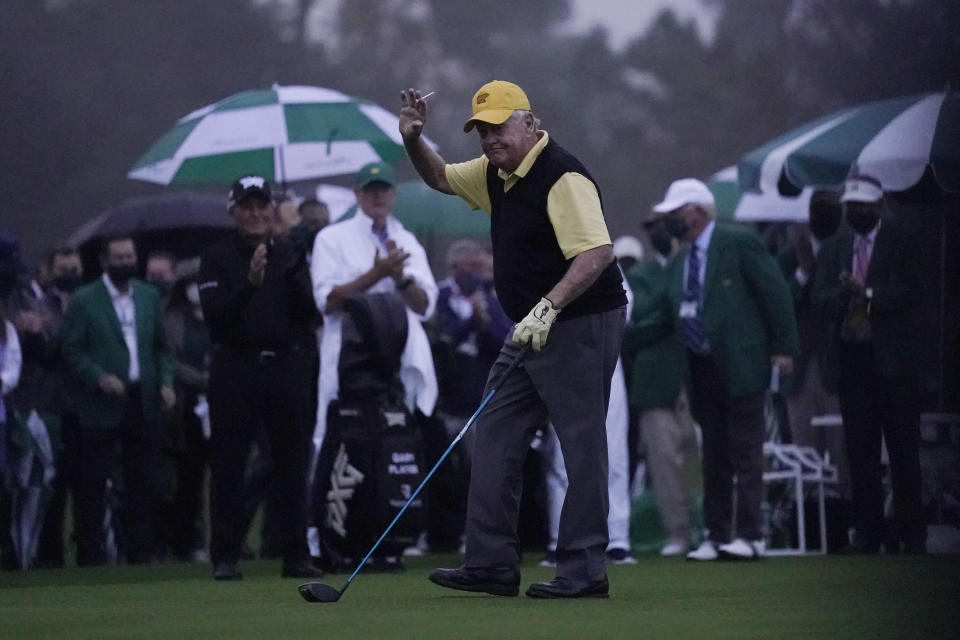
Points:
x=257 y=301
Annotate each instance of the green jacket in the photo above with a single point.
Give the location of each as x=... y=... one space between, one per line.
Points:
x=747 y=309
x=658 y=368
x=895 y=281
x=93 y=345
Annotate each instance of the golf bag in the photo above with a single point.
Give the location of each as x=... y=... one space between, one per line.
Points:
x=371 y=460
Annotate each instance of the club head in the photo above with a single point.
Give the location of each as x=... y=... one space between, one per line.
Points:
x=318 y=592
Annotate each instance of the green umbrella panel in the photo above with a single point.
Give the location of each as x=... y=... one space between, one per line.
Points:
x=897 y=141
x=286 y=133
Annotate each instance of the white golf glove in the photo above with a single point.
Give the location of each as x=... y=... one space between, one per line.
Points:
x=536 y=325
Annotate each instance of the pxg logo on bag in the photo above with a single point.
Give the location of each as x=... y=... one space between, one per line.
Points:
x=344 y=478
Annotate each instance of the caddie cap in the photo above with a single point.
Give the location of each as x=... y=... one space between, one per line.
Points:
x=685 y=191
x=248 y=186
x=862 y=188
x=496 y=101
x=628 y=247
x=374 y=172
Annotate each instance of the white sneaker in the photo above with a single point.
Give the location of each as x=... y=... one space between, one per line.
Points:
x=620 y=556
x=674 y=548
x=549 y=559
x=706 y=551
x=741 y=549
x=420 y=548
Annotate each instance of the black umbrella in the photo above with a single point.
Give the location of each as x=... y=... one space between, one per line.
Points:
x=183 y=223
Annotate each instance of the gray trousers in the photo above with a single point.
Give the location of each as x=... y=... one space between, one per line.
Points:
x=567 y=382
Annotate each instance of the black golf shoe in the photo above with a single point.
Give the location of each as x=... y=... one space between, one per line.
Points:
x=563 y=588
x=497 y=581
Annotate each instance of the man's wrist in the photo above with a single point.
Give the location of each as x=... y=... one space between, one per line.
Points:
x=404 y=283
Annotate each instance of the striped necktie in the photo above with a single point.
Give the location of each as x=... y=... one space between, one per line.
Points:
x=692 y=327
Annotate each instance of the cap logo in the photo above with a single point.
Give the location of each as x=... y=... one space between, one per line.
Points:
x=252 y=181
x=375 y=170
x=482 y=98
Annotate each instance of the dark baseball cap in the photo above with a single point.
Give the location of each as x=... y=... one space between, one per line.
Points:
x=248 y=186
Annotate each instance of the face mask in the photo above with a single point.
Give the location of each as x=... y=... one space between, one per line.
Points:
x=662 y=241
x=469 y=282
x=862 y=221
x=193 y=294
x=824 y=223
x=68 y=282
x=162 y=287
x=676 y=227
x=120 y=274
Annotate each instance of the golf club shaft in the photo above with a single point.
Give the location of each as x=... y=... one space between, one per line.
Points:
x=513 y=365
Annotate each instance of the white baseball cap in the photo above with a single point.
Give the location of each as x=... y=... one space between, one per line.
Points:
x=685 y=191
x=628 y=247
x=862 y=189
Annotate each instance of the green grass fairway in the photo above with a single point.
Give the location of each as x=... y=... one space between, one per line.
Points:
x=814 y=597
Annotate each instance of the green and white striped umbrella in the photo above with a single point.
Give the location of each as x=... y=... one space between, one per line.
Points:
x=894 y=140
x=286 y=133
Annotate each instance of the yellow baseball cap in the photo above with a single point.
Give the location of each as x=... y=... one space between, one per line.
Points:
x=496 y=101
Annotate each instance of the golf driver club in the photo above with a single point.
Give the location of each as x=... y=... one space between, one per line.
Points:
x=320 y=592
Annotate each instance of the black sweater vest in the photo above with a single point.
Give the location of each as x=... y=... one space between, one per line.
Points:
x=527 y=260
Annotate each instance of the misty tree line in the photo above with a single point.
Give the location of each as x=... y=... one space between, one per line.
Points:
x=89 y=84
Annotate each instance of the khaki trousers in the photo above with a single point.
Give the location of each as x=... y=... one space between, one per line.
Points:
x=669 y=437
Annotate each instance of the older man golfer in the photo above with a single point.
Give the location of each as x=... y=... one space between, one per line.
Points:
x=556 y=278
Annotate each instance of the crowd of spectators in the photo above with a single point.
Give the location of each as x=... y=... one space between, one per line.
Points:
x=120 y=394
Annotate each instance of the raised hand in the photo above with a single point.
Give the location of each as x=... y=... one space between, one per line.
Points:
x=391 y=264
x=413 y=114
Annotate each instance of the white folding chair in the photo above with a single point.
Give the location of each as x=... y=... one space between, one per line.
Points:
x=801 y=466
